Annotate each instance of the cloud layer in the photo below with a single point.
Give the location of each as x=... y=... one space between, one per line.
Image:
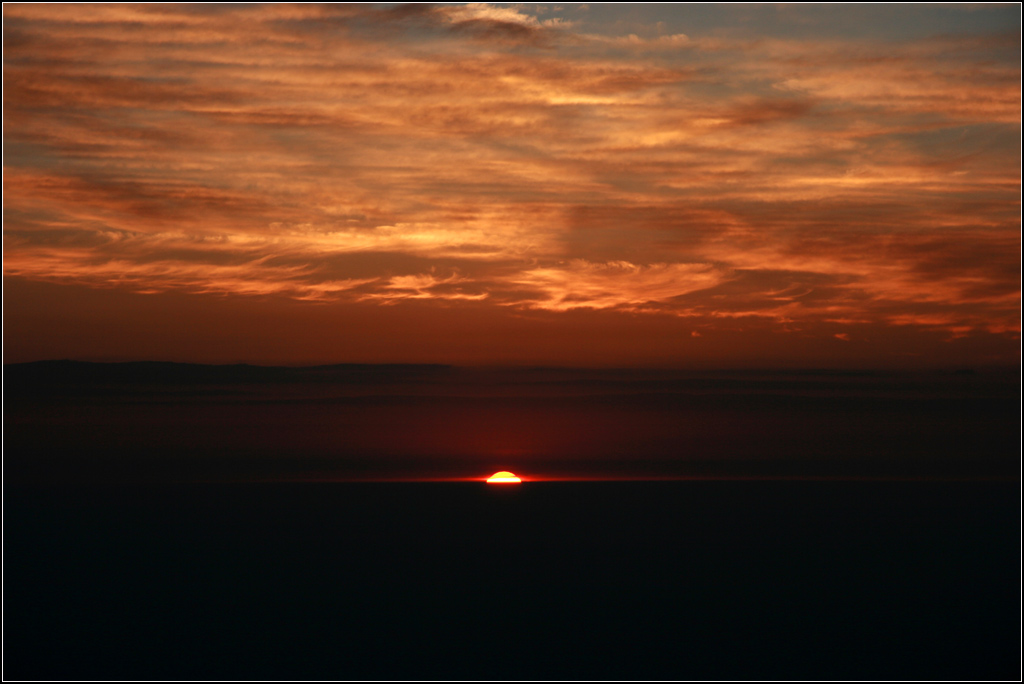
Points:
x=523 y=157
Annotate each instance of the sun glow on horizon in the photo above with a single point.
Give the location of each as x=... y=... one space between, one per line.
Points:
x=503 y=477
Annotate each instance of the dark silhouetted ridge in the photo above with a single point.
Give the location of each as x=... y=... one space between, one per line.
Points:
x=25 y=377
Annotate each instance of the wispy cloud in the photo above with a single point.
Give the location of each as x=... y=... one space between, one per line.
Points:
x=616 y=284
x=534 y=159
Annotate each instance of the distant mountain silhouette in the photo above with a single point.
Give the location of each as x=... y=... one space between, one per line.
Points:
x=25 y=376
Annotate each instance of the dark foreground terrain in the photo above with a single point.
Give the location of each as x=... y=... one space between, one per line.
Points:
x=174 y=521
x=562 y=580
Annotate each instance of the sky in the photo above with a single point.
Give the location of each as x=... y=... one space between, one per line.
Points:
x=600 y=185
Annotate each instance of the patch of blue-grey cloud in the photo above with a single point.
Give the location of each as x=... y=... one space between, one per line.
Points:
x=895 y=22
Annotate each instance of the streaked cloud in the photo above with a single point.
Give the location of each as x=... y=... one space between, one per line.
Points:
x=536 y=157
x=616 y=284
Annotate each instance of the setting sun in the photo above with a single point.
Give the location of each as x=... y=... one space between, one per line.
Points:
x=503 y=477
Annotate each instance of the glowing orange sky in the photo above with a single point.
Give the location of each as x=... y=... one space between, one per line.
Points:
x=728 y=185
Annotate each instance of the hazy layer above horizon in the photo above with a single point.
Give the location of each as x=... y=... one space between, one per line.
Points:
x=73 y=421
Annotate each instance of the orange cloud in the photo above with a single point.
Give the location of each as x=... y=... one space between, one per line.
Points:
x=617 y=284
x=533 y=160
x=423 y=286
